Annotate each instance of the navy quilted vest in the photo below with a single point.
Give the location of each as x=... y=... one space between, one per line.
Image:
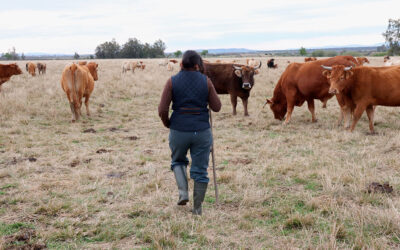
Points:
x=189 y=102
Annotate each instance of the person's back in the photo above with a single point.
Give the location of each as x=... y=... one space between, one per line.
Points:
x=190 y=93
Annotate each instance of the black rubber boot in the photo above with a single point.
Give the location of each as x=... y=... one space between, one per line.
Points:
x=182 y=183
x=199 y=191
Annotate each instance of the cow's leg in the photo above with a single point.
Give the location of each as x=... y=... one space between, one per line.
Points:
x=370 y=113
x=87 y=105
x=245 y=102
x=357 y=115
x=347 y=111
x=71 y=105
x=234 y=103
x=324 y=103
x=311 y=107
x=290 y=107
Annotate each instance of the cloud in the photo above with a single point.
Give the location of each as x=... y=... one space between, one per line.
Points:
x=82 y=25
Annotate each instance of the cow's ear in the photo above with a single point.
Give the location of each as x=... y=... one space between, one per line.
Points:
x=348 y=74
x=326 y=73
x=238 y=73
x=256 y=72
x=270 y=101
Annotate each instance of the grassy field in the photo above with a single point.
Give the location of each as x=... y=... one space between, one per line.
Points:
x=281 y=187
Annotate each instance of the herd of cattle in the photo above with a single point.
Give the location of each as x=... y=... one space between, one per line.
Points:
x=357 y=88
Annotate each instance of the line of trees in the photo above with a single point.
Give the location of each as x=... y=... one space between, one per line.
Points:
x=133 y=48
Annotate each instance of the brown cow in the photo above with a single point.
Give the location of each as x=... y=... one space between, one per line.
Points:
x=310 y=59
x=77 y=82
x=32 y=68
x=302 y=82
x=7 y=71
x=92 y=68
x=233 y=79
x=362 y=60
x=173 y=60
x=366 y=87
x=41 y=68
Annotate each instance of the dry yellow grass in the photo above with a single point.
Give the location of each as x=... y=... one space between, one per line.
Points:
x=301 y=185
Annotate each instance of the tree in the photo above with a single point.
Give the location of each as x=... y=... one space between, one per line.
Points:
x=108 y=50
x=23 y=56
x=302 y=51
x=392 y=36
x=91 y=57
x=204 y=52
x=318 y=53
x=178 y=53
x=76 y=56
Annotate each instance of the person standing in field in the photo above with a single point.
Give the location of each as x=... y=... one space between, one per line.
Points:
x=190 y=92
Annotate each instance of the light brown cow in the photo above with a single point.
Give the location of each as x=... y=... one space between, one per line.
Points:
x=7 y=71
x=82 y=63
x=366 y=87
x=170 y=66
x=252 y=62
x=32 y=68
x=362 y=60
x=310 y=59
x=77 y=82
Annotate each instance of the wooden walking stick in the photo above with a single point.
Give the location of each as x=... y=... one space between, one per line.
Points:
x=213 y=160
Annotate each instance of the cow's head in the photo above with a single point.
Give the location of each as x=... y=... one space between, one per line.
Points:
x=279 y=109
x=386 y=58
x=338 y=76
x=92 y=66
x=15 y=69
x=362 y=60
x=247 y=74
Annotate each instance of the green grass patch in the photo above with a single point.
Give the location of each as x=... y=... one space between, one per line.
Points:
x=7 y=229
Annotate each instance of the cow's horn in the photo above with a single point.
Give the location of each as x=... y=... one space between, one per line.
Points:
x=347 y=68
x=326 y=67
x=237 y=67
x=259 y=66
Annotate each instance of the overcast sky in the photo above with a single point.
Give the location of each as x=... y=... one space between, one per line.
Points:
x=54 y=26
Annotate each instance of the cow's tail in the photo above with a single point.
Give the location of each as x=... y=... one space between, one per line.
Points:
x=74 y=93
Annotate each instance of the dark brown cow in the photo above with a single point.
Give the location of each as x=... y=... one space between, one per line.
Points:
x=41 y=68
x=366 y=87
x=271 y=64
x=302 y=82
x=233 y=79
x=7 y=71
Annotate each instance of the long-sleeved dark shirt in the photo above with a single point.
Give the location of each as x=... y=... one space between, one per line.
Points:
x=166 y=98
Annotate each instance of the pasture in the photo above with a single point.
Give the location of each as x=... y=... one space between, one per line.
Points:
x=104 y=182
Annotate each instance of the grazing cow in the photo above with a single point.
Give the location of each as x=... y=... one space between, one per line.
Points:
x=7 y=71
x=310 y=59
x=386 y=58
x=366 y=87
x=41 y=68
x=252 y=62
x=173 y=60
x=225 y=62
x=391 y=62
x=163 y=63
x=271 y=63
x=126 y=66
x=82 y=63
x=362 y=60
x=77 y=82
x=302 y=82
x=170 y=66
x=233 y=79
x=32 y=69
